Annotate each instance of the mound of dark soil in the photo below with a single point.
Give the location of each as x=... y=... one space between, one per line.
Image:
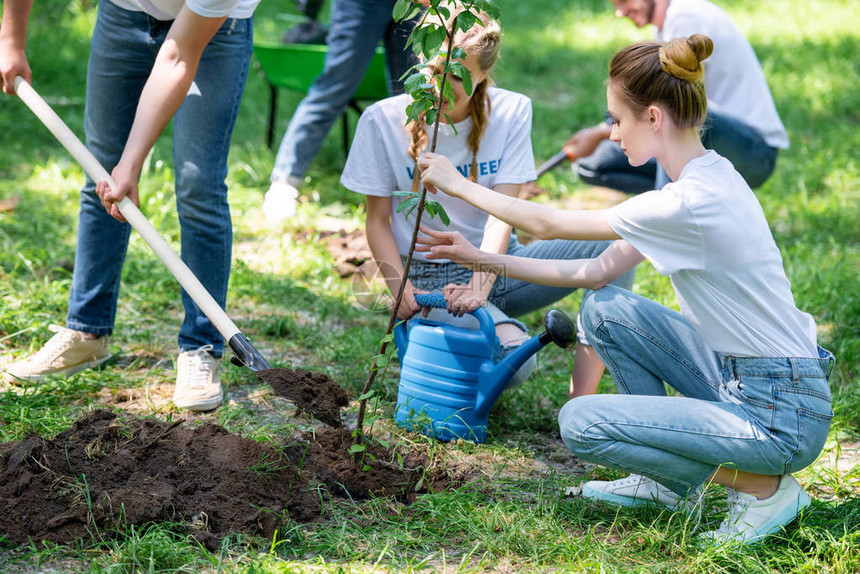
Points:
x=109 y=471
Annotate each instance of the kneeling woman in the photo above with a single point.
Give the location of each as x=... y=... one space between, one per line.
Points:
x=756 y=401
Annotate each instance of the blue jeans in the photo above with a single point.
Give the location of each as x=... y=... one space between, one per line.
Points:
x=124 y=47
x=513 y=296
x=751 y=156
x=767 y=415
x=355 y=30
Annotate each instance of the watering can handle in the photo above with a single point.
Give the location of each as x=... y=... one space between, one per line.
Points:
x=437 y=300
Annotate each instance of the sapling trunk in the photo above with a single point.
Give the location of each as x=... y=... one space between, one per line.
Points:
x=383 y=348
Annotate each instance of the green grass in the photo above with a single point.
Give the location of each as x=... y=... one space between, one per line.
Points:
x=286 y=296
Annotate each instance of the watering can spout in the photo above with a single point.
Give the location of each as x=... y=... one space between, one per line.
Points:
x=495 y=378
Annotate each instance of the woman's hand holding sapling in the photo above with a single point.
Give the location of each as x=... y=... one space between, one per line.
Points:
x=438 y=173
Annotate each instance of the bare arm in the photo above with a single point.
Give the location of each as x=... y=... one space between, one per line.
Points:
x=542 y=221
x=497 y=236
x=13 y=43
x=615 y=261
x=165 y=90
x=380 y=239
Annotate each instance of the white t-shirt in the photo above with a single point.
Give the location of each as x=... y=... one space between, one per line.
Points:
x=379 y=162
x=708 y=233
x=734 y=80
x=168 y=9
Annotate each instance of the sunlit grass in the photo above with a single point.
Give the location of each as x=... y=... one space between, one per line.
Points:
x=286 y=296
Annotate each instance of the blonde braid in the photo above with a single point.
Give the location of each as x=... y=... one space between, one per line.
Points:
x=480 y=112
x=418 y=128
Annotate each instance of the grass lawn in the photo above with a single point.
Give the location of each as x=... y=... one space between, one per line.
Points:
x=520 y=513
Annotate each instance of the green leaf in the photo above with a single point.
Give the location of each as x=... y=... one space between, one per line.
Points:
x=401 y=8
x=356 y=448
x=467 y=83
x=462 y=72
x=405 y=10
x=443 y=215
x=417 y=82
x=458 y=53
x=408 y=205
x=421 y=104
x=466 y=19
x=368 y=421
x=435 y=208
x=432 y=40
x=367 y=395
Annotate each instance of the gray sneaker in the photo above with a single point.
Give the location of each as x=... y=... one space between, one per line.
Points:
x=749 y=519
x=636 y=490
x=64 y=354
x=198 y=385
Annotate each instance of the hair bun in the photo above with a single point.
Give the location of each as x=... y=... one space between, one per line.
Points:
x=682 y=57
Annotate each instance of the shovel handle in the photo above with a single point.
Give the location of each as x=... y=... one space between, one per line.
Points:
x=129 y=210
x=565 y=154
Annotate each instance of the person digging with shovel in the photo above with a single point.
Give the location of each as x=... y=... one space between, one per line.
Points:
x=150 y=62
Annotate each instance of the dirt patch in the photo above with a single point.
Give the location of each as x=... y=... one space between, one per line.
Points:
x=110 y=471
x=350 y=250
x=315 y=393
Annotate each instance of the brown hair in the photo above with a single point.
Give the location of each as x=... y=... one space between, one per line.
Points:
x=669 y=74
x=480 y=42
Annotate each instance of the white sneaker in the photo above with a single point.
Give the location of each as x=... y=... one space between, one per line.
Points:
x=198 y=387
x=636 y=490
x=64 y=354
x=280 y=202
x=749 y=519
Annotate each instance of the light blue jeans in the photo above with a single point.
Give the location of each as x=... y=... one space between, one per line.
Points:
x=355 y=30
x=767 y=415
x=124 y=46
x=515 y=297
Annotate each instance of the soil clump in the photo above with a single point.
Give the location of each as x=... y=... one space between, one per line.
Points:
x=315 y=393
x=110 y=471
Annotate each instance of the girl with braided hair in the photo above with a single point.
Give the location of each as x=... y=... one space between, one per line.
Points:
x=756 y=401
x=487 y=136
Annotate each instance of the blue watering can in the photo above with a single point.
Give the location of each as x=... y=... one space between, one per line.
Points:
x=450 y=376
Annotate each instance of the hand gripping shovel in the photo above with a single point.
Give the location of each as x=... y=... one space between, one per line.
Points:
x=245 y=353
x=314 y=393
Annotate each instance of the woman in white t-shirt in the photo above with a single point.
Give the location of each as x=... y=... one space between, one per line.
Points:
x=756 y=401
x=489 y=142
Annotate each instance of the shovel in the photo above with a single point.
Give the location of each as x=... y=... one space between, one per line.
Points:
x=566 y=153
x=245 y=353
